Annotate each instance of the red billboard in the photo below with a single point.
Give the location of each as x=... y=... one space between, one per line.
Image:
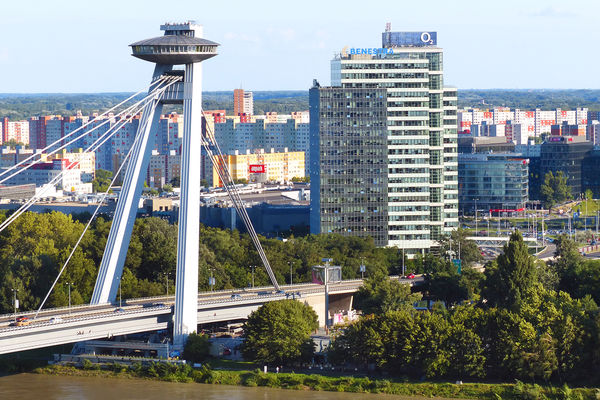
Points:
x=257 y=169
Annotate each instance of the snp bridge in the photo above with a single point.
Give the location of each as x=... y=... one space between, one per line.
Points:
x=151 y=314
x=181 y=45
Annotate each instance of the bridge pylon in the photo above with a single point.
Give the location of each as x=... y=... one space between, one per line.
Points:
x=181 y=44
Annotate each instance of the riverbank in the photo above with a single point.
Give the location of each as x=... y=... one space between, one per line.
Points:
x=256 y=378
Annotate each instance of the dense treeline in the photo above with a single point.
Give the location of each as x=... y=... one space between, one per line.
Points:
x=35 y=246
x=545 y=99
x=23 y=106
x=20 y=106
x=523 y=319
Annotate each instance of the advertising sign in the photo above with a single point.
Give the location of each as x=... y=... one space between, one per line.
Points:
x=257 y=169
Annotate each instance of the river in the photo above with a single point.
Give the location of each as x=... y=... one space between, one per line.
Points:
x=49 y=387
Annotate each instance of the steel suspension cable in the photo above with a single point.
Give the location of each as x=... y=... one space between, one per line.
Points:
x=99 y=142
x=101 y=201
x=95 y=119
x=231 y=188
x=87 y=132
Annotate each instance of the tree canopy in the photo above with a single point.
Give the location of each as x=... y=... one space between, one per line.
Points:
x=555 y=190
x=511 y=275
x=279 y=333
x=380 y=294
x=101 y=181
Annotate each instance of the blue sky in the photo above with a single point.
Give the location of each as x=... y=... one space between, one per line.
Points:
x=80 y=46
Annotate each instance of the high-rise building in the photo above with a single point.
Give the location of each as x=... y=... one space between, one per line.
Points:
x=243 y=102
x=261 y=166
x=15 y=131
x=383 y=152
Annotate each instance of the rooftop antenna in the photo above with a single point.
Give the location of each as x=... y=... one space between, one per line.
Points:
x=388 y=26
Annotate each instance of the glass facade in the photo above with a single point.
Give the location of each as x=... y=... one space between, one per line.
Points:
x=348 y=159
x=492 y=181
x=416 y=156
x=566 y=154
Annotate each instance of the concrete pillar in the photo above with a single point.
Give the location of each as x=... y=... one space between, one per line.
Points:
x=186 y=286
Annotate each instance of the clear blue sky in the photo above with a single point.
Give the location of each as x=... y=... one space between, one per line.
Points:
x=82 y=46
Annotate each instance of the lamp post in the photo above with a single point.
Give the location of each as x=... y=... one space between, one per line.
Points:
x=211 y=280
x=120 y=298
x=585 y=220
x=362 y=268
x=476 y=217
x=326 y=276
x=252 y=276
x=15 y=301
x=403 y=267
x=167 y=274
x=291 y=264
x=69 y=284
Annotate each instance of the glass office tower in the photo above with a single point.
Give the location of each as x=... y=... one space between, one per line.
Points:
x=383 y=154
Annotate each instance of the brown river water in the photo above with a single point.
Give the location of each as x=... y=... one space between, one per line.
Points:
x=48 y=387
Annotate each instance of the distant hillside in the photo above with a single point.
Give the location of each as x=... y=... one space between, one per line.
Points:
x=545 y=99
x=20 y=106
x=282 y=101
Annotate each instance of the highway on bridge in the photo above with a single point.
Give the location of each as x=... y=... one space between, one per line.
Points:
x=79 y=323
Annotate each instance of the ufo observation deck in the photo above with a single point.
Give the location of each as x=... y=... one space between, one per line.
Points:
x=174 y=49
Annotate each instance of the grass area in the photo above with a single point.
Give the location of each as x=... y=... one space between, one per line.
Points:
x=593 y=206
x=254 y=378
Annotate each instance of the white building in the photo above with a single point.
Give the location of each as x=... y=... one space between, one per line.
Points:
x=394 y=178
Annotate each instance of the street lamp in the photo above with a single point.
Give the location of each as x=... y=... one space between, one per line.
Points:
x=211 y=280
x=403 y=267
x=15 y=301
x=326 y=276
x=362 y=268
x=167 y=274
x=120 y=298
x=252 y=266
x=476 y=217
x=69 y=284
x=291 y=264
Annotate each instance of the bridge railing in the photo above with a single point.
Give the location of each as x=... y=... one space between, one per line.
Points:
x=100 y=307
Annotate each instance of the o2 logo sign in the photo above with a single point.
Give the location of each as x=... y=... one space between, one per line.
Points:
x=426 y=38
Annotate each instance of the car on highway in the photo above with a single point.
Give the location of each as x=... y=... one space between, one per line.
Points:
x=56 y=320
x=409 y=276
x=236 y=296
x=118 y=310
x=22 y=321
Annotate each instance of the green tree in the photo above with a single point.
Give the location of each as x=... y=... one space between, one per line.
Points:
x=197 y=348
x=102 y=180
x=279 y=333
x=457 y=242
x=176 y=181
x=380 y=294
x=168 y=188
x=509 y=277
x=554 y=189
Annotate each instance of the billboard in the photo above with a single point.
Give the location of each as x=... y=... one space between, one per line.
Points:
x=408 y=39
x=257 y=169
